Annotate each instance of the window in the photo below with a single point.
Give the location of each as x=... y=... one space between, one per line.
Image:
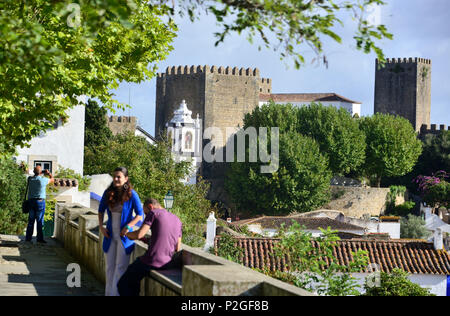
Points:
x=46 y=165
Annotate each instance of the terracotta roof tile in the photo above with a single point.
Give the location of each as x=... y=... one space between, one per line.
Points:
x=412 y=256
x=312 y=223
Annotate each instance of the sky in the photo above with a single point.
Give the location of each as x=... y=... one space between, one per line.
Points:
x=421 y=28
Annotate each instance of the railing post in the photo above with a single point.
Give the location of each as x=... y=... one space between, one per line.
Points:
x=210 y=231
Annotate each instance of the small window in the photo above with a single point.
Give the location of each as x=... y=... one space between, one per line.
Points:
x=45 y=165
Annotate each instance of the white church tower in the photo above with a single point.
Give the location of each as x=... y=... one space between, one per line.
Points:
x=185 y=133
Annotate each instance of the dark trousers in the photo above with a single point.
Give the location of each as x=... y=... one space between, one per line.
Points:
x=37 y=211
x=130 y=282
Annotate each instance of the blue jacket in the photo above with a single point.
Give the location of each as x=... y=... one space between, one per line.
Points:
x=134 y=203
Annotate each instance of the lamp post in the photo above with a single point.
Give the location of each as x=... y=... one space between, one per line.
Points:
x=168 y=201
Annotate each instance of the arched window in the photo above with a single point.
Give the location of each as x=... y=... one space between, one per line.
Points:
x=188 y=141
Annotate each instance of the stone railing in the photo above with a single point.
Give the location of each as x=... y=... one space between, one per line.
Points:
x=199 y=273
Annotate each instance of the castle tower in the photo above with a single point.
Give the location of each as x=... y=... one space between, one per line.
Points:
x=221 y=96
x=403 y=87
x=121 y=124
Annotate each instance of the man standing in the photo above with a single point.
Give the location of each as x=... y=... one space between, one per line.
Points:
x=36 y=195
x=164 y=242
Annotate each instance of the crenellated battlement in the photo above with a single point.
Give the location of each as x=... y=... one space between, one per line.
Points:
x=433 y=129
x=190 y=70
x=265 y=85
x=122 y=119
x=410 y=60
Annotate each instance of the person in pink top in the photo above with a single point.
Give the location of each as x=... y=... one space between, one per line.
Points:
x=165 y=241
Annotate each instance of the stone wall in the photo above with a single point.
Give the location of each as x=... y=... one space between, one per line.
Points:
x=359 y=201
x=121 y=124
x=200 y=273
x=403 y=87
x=221 y=96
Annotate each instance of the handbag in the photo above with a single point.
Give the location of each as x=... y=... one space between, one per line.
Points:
x=26 y=203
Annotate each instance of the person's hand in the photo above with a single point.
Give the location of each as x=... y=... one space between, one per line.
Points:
x=124 y=231
x=104 y=231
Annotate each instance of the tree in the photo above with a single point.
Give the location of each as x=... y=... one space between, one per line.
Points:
x=392 y=146
x=313 y=263
x=435 y=155
x=288 y=24
x=13 y=184
x=153 y=172
x=337 y=134
x=300 y=184
x=96 y=130
x=54 y=52
x=396 y=283
x=413 y=227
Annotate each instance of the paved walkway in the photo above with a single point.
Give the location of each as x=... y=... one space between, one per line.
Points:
x=31 y=269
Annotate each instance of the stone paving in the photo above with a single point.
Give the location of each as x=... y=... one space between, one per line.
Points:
x=32 y=269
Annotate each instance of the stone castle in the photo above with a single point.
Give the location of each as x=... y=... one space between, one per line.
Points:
x=403 y=87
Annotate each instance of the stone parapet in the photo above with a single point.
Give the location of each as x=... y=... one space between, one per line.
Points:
x=199 y=273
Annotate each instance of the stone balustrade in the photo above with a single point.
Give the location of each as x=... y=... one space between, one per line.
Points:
x=199 y=272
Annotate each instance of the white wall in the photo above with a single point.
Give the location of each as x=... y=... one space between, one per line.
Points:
x=64 y=145
x=392 y=228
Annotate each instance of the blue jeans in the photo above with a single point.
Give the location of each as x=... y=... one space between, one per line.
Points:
x=37 y=211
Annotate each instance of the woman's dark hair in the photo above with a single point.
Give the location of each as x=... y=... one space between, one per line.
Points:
x=119 y=195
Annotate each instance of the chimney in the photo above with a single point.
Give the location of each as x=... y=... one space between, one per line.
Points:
x=438 y=239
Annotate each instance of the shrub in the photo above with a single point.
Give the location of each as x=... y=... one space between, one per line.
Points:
x=13 y=184
x=395 y=284
x=413 y=227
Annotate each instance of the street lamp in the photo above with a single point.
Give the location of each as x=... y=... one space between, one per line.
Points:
x=168 y=201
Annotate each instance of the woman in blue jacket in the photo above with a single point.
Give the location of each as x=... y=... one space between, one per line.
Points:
x=119 y=200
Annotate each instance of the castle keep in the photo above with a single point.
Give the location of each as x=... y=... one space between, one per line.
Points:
x=221 y=96
x=403 y=87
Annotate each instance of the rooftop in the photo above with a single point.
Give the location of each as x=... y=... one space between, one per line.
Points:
x=310 y=223
x=305 y=97
x=412 y=256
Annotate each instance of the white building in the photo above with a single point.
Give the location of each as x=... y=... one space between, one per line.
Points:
x=61 y=146
x=186 y=136
x=301 y=99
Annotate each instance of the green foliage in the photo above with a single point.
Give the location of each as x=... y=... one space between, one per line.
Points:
x=96 y=130
x=402 y=210
x=396 y=283
x=392 y=146
x=13 y=184
x=229 y=250
x=337 y=133
x=436 y=153
x=67 y=173
x=301 y=183
x=152 y=173
x=53 y=54
x=413 y=227
x=57 y=51
x=394 y=192
x=286 y=25
x=315 y=267
x=438 y=195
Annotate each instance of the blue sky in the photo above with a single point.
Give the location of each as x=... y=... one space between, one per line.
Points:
x=421 y=28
